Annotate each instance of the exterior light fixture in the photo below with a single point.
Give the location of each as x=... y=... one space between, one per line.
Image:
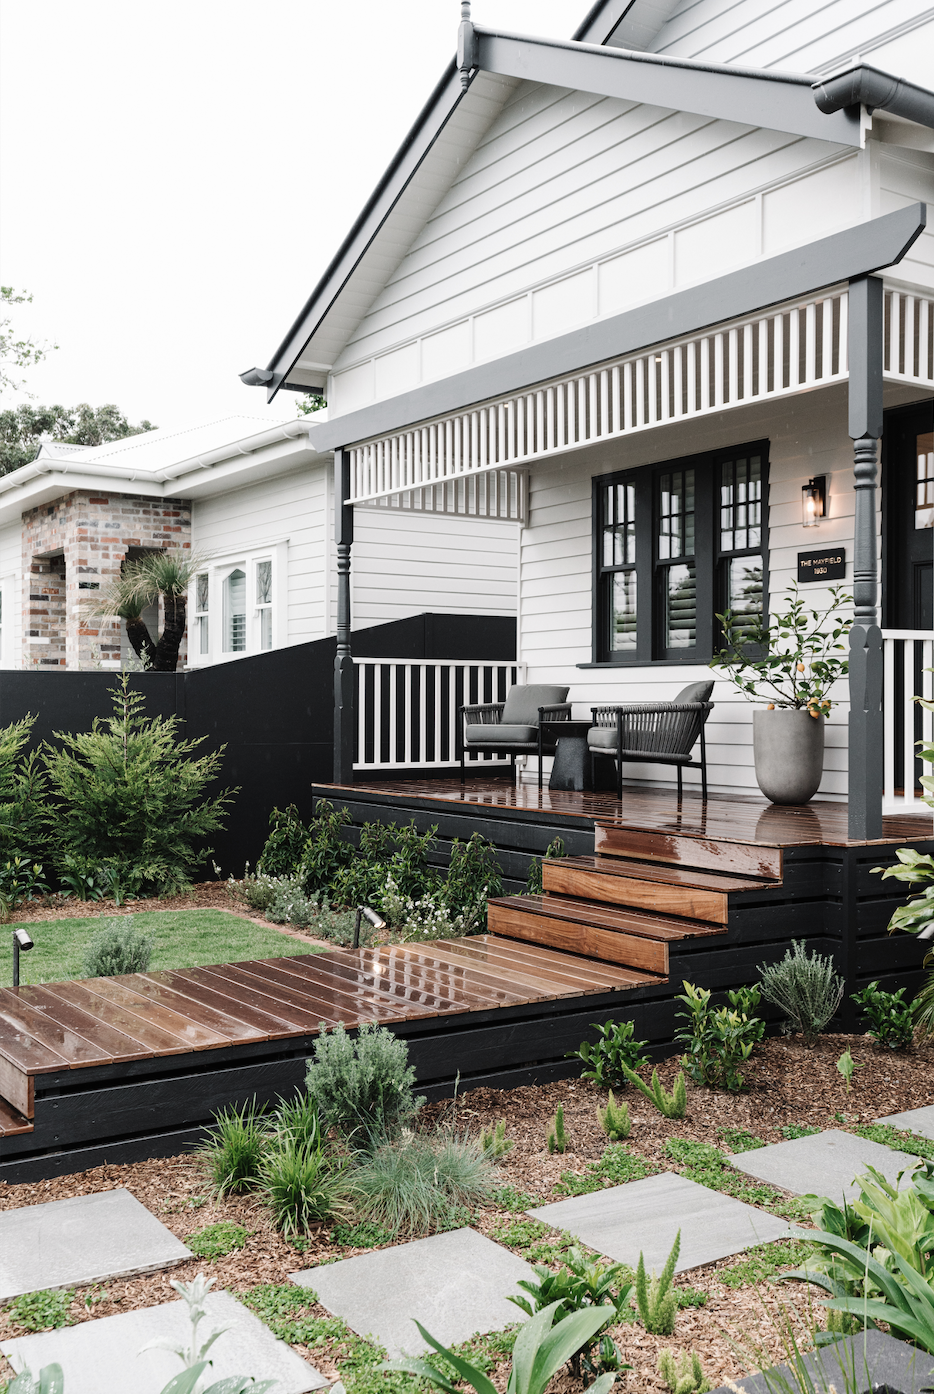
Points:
x=21 y=943
x=813 y=494
x=375 y=920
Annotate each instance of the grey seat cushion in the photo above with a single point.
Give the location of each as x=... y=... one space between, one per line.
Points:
x=602 y=738
x=523 y=702
x=695 y=692
x=501 y=735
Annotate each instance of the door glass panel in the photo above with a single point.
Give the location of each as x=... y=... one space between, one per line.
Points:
x=744 y=590
x=235 y=611
x=623 y=612
x=924 y=488
x=680 y=606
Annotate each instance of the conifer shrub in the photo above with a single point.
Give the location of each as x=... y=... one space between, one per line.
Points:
x=22 y=793
x=117 y=947
x=362 y=1086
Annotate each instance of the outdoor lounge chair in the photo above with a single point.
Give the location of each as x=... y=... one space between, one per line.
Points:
x=658 y=733
x=513 y=727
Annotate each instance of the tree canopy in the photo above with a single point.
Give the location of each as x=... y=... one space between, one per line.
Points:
x=22 y=427
x=14 y=352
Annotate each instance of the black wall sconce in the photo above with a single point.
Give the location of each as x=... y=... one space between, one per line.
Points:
x=813 y=498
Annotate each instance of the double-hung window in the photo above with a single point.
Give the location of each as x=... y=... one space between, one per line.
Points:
x=675 y=545
x=237 y=605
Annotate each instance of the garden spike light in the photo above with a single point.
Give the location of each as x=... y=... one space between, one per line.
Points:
x=21 y=942
x=375 y=920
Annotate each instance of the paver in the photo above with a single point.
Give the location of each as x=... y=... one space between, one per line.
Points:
x=85 y=1239
x=455 y=1284
x=915 y=1120
x=877 y=1361
x=822 y=1164
x=105 y=1354
x=645 y=1216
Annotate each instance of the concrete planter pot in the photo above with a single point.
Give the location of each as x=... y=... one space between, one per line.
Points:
x=788 y=746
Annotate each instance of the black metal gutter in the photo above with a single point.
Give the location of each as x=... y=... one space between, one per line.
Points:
x=863 y=85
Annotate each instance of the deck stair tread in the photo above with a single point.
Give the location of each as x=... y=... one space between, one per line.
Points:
x=687 y=847
x=663 y=874
x=544 y=967
x=12 y=1122
x=664 y=928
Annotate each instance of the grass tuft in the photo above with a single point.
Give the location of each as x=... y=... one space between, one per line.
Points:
x=233 y=1150
x=416 y=1184
x=617 y=1166
x=214 y=1241
x=42 y=1311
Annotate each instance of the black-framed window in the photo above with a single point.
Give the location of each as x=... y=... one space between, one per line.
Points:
x=674 y=545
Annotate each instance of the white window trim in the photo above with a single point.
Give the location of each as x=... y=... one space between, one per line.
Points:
x=218 y=569
x=10 y=628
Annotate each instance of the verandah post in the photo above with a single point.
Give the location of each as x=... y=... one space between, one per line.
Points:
x=344 y=714
x=864 y=351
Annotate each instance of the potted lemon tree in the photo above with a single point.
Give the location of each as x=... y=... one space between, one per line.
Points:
x=789 y=662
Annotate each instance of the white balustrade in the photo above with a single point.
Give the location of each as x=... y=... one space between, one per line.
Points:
x=908 y=656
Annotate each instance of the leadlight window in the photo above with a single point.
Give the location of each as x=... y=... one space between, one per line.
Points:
x=235 y=612
x=264 y=602
x=202 y=609
x=688 y=539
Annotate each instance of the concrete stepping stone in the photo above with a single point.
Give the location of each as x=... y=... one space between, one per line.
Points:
x=823 y=1164
x=104 y=1354
x=879 y=1362
x=644 y=1217
x=455 y=1284
x=915 y=1120
x=86 y=1239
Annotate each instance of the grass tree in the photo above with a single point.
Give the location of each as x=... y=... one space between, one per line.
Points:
x=165 y=577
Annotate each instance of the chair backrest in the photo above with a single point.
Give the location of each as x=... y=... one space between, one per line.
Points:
x=695 y=692
x=523 y=702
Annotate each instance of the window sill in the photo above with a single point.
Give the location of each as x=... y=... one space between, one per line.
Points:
x=650 y=663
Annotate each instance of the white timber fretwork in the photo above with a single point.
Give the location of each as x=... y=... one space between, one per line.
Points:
x=798 y=347
x=500 y=494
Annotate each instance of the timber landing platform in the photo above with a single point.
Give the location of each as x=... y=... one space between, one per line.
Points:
x=648 y=895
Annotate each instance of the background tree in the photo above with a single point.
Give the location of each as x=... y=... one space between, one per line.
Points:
x=14 y=352
x=162 y=576
x=22 y=429
x=309 y=402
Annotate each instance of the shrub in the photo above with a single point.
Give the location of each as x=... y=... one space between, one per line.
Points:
x=362 y=1087
x=719 y=1039
x=533 y=882
x=614 y=1119
x=582 y=1282
x=673 y=1105
x=232 y=1152
x=682 y=1372
x=326 y=849
x=615 y=1047
x=303 y=1183
x=84 y=877
x=805 y=987
x=117 y=948
x=473 y=878
x=891 y=1021
x=22 y=793
x=214 y=1241
x=131 y=793
x=425 y=919
x=386 y=849
x=19 y=880
x=285 y=845
x=656 y=1300
x=414 y=1184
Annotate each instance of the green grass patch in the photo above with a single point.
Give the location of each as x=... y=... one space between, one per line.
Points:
x=534 y=1241
x=710 y=1167
x=764 y=1262
x=617 y=1166
x=183 y=939
x=894 y=1137
x=214 y=1241
x=791 y=1131
x=365 y=1235
x=739 y=1140
x=42 y=1311
x=508 y=1198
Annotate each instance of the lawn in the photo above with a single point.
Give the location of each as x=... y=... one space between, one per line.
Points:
x=184 y=939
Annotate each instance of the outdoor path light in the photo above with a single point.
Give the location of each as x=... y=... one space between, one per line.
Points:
x=375 y=920
x=21 y=941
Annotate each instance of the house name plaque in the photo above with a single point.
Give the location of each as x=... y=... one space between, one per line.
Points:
x=822 y=566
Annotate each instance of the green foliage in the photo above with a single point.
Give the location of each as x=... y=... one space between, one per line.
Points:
x=890 y=1018
x=193 y=1355
x=542 y=1346
x=792 y=662
x=214 y=1241
x=656 y=1300
x=131 y=793
x=42 y=1311
x=363 y=1235
x=789 y=1131
x=23 y=426
x=581 y=1283
x=22 y=792
x=233 y=1150
x=847 y=1067
x=616 y=1046
x=19 y=880
x=614 y=1119
x=297 y=1119
x=417 y=1183
x=710 y=1167
x=916 y=868
x=806 y=987
x=427 y=919
x=763 y=1262
x=84 y=877
x=682 y=1372
x=326 y=851
x=16 y=353
x=922 y=1008
x=494 y=1141
x=508 y=1198
x=740 y=1140
x=673 y=1105
x=387 y=850
x=617 y=1166
x=303 y=1183
x=894 y=1137
x=363 y=1086
x=285 y=845
x=557 y=1138
x=50 y=1380
x=533 y=883
x=117 y=947
x=473 y=878
x=719 y=1040
x=534 y=1241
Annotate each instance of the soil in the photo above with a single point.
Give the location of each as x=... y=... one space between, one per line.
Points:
x=787 y=1084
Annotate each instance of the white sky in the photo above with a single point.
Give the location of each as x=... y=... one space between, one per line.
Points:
x=175 y=177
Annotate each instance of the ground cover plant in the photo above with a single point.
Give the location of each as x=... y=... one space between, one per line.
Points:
x=181 y=939
x=805 y=987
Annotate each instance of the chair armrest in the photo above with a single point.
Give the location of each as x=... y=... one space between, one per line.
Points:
x=561 y=711
x=651 y=708
x=483 y=713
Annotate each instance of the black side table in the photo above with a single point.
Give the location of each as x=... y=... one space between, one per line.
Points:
x=571 y=768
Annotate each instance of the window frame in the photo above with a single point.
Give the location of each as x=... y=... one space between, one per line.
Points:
x=218 y=571
x=711 y=563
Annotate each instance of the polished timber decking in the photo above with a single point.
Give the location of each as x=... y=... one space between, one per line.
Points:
x=728 y=817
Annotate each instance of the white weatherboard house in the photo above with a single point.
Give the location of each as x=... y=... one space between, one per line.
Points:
x=256 y=500
x=654 y=280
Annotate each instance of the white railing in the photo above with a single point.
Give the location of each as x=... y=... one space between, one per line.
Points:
x=908 y=342
x=408 y=710
x=908 y=656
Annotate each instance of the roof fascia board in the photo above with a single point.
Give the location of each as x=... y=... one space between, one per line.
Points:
x=857 y=251
x=601 y=21
x=775 y=101
x=428 y=126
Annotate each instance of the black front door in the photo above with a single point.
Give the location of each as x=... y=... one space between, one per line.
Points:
x=908 y=510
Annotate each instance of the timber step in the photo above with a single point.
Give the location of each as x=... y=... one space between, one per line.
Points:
x=11 y=1121
x=696 y=895
x=754 y=859
x=616 y=935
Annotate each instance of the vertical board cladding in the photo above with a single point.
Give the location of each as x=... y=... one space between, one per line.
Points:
x=70 y=549
x=808 y=436
x=905 y=177
x=292 y=507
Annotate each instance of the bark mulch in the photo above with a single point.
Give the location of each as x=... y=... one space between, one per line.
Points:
x=787 y=1085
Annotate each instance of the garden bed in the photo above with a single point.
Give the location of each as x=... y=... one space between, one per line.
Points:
x=788 y=1087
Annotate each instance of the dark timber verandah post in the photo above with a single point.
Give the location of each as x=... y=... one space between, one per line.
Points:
x=344 y=716
x=864 y=344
